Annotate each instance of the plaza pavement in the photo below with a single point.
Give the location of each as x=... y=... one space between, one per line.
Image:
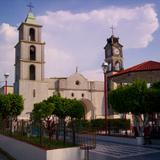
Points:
x=114 y=151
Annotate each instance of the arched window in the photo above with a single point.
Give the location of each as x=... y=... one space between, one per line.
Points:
x=117 y=66
x=72 y=94
x=32 y=72
x=32 y=53
x=110 y=66
x=32 y=34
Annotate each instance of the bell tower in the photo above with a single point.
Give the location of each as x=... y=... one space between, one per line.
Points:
x=29 y=64
x=114 y=54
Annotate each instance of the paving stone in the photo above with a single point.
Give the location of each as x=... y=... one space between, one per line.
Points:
x=113 y=151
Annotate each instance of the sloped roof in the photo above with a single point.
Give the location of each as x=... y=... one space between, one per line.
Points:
x=30 y=19
x=145 y=66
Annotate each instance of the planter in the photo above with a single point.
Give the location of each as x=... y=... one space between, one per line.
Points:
x=140 y=140
x=21 y=150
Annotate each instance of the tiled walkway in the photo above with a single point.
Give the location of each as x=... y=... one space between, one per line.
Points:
x=120 y=151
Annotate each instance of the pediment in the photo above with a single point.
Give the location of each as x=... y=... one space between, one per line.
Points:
x=77 y=80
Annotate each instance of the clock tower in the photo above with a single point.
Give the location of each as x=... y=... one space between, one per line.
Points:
x=113 y=54
x=114 y=58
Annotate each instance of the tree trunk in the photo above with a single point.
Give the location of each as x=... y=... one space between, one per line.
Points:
x=40 y=136
x=57 y=130
x=73 y=133
x=64 y=131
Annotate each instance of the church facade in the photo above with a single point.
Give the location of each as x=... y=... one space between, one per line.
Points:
x=30 y=81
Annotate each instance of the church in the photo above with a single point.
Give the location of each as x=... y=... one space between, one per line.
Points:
x=34 y=87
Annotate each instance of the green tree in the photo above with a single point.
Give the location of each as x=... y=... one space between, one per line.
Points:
x=155 y=85
x=132 y=98
x=75 y=111
x=16 y=105
x=153 y=100
x=4 y=106
x=43 y=114
x=11 y=106
x=61 y=106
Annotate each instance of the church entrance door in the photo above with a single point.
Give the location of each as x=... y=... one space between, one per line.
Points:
x=88 y=108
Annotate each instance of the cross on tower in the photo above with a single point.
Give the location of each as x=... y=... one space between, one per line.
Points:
x=76 y=69
x=112 y=28
x=30 y=6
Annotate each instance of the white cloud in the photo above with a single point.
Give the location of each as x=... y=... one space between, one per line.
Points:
x=94 y=75
x=8 y=39
x=81 y=36
x=77 y=39
x=58 y=63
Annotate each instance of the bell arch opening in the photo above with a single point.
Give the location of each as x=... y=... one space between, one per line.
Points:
x=32 y=53
x=32 y=72
x=32 y=34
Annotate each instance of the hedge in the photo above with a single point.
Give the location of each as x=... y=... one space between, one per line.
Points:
x=99 y=124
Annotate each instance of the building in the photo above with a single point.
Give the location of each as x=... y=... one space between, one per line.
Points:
x=117 y=75
x=148 y=71
x=9 y=89
x=30 y=81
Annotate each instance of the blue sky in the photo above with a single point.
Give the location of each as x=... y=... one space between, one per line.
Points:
x=75 y=32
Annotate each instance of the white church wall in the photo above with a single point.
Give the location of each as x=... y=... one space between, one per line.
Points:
x=75 y=94
x=51 y=92
x=77 y=81
x=62 y=84
x=99 y=86
x=51 y=82
x=98 y=102
x=27 y=90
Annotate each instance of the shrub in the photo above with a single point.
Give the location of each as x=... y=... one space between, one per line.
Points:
x=99 y=124
x=80 y=124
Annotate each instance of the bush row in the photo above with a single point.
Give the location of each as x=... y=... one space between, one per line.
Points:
x=99 y=124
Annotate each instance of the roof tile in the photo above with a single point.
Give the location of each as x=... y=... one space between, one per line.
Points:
x=145 y=66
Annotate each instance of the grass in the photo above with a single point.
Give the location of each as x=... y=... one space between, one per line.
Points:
x=44 y=143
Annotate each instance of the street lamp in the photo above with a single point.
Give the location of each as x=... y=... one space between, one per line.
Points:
x=6 y=75
x=105 y=69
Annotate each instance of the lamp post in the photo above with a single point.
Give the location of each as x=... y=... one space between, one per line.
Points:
x=6 y=75
x=105 y=69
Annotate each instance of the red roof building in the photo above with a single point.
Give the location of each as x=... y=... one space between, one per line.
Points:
x=149 y=71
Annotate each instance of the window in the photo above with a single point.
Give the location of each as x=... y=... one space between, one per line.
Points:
x=32 y=53
x=77 y=82
x=117 y=66
x=82 y=94
x=34 y=93
x=110 y=66
x=32 y=72
x=72 y=94
x=32 y=34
